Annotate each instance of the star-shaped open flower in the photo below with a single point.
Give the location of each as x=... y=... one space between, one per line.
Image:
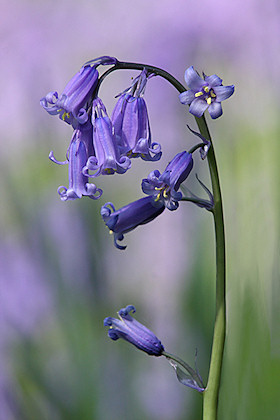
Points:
x=205 y=93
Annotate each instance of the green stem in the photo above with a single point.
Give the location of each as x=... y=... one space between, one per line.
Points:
x=138 y=66
x=187 y=367
x=211 y=393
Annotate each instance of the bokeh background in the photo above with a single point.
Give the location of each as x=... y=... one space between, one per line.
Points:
x=60 y=274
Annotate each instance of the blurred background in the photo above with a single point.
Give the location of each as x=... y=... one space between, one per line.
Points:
x=60 y=274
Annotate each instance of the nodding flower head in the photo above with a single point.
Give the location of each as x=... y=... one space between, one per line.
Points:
x=130 y=216
x=164 y=187
x=72 y=105
x=205 y=93
x=107 y=159
x=78 y=152
x=131 y=122
x=127 y=328
x=162 y=191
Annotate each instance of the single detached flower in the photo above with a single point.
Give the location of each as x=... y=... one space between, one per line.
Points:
x=164 y=187
x=106 y=159
x=132 y=331
x=130 y=216
x=131 y=123
x=205 y=93
x=79 y=150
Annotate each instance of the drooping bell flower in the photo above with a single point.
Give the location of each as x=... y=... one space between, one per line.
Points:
x=78 y=152
x=127 y=328
x=205 y=93
x=130 y=216
x=164 y=187
x=131 y=123
x=106 y=159
x=162 y=192
x=73 y=104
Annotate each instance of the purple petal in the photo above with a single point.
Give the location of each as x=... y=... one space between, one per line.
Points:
x=130 y=216
x=104 y=60
x=193 y=80
x=215 y=110
x=134 y=332
x=146 y=151
x=187 y=97
x=213 y=80
x=223 y=92
x=198 y=107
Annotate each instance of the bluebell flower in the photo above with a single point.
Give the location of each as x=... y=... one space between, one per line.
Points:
x=73 y=104
x=164 y=187
x=131 y=123
x=132 y=331
x=78 y=152
x=130 y=216
x=205 y=93
x=106 y=159
x=162 y=192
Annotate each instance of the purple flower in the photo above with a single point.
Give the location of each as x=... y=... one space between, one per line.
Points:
x=130 y=216
x=77 y=155
x=106 y=159
x=164 y=187
x=205 y=93
x=73 y=104
x=131 y=123
x=132 y=331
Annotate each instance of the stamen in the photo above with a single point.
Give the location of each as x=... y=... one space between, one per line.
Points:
x=111 y=232
x=158 y=197
x=206 y=89
x=65 y=115
x=212 y=94
x=165 y=194
x=197 y=94
x=209 y=100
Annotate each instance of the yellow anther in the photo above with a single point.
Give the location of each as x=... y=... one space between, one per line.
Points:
x=212 y=94
x=109 y=171
x=197 y=94
x=158 y=197
x=158 y=188
x=165 y=194
x=206 y=89
x=111 y=232
x=66 y=114
x=209 y=100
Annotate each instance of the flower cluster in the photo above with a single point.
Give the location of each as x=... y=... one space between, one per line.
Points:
x=101 y=145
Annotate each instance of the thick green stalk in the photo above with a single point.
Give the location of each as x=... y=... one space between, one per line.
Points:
x=211 y=393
